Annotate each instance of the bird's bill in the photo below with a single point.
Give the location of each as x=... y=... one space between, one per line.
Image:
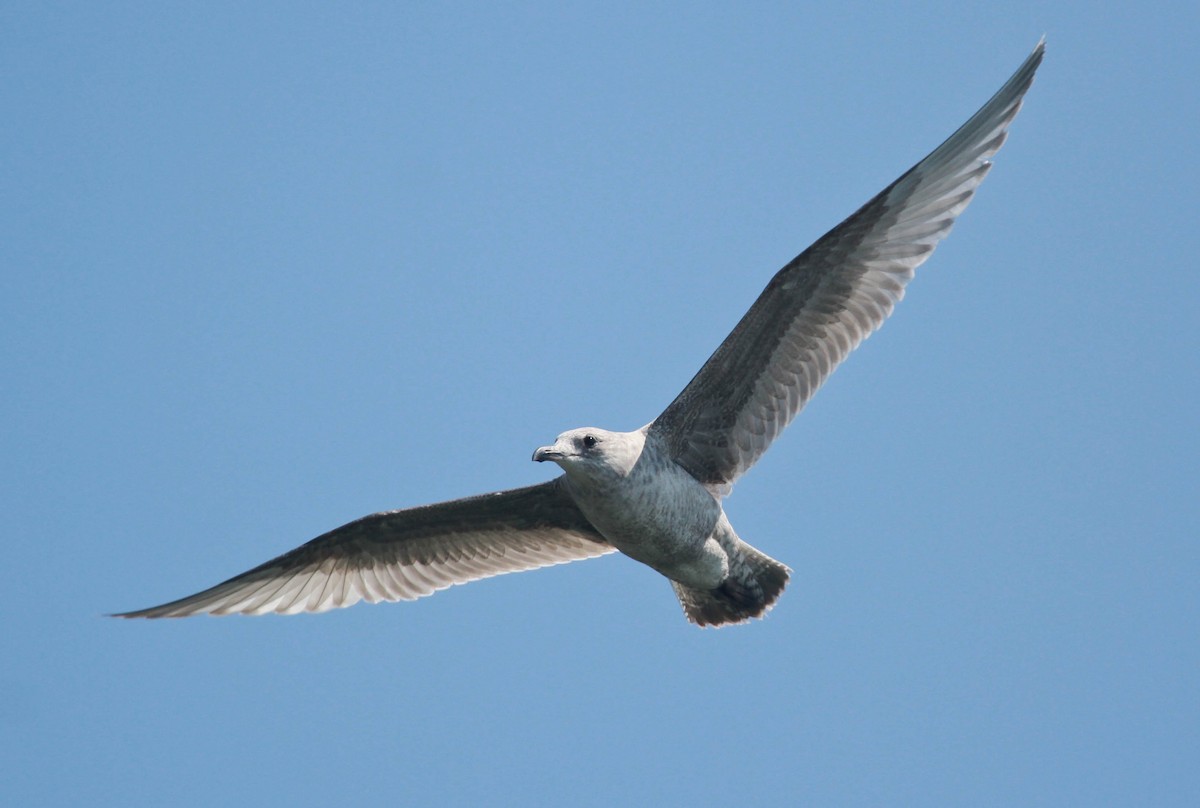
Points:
x=544 y=453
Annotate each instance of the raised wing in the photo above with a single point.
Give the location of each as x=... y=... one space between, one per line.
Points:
x=404 y=555
x=825 y=302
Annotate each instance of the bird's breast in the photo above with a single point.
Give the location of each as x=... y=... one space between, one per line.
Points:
x=657 y=514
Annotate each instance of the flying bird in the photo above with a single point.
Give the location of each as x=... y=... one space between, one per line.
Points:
x=655 y=493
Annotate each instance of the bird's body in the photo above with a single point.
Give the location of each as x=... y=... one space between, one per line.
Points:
x=646 y=505
x=655 y=494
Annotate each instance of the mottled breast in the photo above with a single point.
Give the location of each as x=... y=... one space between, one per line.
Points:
x=655 y=512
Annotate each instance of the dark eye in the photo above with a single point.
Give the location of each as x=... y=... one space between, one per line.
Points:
x=589 y=441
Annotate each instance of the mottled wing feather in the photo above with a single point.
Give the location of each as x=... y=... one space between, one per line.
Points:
x=407 y=554
x=825 y=302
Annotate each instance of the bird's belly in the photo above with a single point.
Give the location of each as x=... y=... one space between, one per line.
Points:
x=666 y=520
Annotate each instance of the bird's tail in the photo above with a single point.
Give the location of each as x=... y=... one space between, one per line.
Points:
x=755 y=581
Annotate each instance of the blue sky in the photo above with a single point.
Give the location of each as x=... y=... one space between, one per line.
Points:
x=270 y=267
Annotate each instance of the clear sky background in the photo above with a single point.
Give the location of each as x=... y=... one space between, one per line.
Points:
x=270 y=267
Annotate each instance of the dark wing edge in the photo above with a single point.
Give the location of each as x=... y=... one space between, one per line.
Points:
x=827 y=300
x=407 y=554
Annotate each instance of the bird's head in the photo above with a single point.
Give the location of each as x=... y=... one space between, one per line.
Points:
x=596 y=454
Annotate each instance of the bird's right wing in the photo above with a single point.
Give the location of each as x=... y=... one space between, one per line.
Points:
x=407 y=554
x=825 y=302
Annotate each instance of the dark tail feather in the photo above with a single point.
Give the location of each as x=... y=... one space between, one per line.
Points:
x=750 y=591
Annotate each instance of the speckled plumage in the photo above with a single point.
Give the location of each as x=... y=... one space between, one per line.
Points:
x=655 y=493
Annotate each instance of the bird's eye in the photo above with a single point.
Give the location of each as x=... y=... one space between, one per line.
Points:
x=589 y=441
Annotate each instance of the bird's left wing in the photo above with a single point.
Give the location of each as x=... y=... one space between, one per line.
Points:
x=407 y=554
x=820 y=306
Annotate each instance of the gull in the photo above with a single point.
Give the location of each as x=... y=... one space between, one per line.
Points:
x=655 y=494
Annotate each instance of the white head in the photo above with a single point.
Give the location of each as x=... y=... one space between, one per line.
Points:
x=594 y=454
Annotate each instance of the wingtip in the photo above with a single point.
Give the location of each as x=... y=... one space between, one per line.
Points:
x=1038 y=52
x=127 y=615
x=154 y=612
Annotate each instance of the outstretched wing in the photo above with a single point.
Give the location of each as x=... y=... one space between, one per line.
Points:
x=404 y=555
x=825 y=302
